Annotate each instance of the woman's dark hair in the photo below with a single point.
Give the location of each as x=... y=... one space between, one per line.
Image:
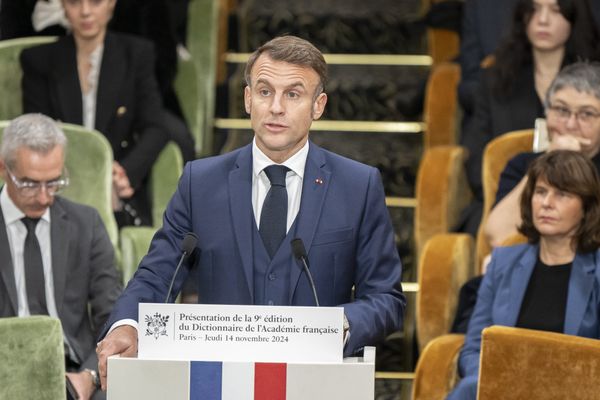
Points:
x=572 y=172
x=515 y=50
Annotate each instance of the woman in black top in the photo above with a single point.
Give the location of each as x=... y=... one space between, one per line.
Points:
x=553 y=282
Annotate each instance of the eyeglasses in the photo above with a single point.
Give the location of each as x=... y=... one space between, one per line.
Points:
x=582 y=116
x=29 y=188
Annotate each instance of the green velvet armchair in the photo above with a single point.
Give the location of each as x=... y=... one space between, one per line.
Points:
x=33 y=360
x=195 y=81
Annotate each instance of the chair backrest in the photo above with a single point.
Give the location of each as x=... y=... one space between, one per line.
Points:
x=33 y=360
x=89 y=163
x=195 y=86
x=164 y=178
x=11 y=104
x=446 y=263
x=442 y=192
x=529 y=364
x=440 y=111
x=495 y=157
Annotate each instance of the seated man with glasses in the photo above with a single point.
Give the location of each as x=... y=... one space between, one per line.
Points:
x=55 y=255
x=573 y=118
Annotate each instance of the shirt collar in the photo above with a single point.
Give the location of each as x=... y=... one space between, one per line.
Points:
x=295 y=163
x=11 y=212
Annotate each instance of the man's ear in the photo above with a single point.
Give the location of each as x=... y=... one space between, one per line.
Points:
x=248 y=99
x=3 y=173
x=319 y=105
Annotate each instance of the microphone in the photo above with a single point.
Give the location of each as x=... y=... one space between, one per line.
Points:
x=300 y=253
x=187 y=247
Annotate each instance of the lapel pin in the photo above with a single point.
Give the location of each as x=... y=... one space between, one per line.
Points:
x=319 y=181
x=121 y=110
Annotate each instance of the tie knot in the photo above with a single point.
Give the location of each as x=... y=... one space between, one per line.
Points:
x=30 y=223
x=276 y=174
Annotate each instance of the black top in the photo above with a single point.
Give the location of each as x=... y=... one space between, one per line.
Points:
x=545 y=301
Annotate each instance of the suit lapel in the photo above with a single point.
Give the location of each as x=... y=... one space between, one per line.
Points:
x=59 y=241
x=518 y=284
x=580 y=287
x=7 y=273
x=242 y=215
x=314 y=188
x=112 y=73
x=66 y=79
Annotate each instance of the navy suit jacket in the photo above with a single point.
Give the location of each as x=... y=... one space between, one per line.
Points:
x=504 y=285
x=343 y=222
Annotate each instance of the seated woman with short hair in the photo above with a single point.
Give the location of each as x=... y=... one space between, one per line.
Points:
x=552 y=283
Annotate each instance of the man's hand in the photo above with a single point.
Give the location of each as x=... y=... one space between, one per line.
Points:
x=83 y=384
x=122 y=341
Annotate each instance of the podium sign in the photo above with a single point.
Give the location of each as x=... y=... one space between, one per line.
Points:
x=240 y=333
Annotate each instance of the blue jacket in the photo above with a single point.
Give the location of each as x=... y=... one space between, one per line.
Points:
x=343 y=222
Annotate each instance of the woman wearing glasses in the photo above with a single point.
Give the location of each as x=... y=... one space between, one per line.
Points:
x=552 y=283
x=545 y=35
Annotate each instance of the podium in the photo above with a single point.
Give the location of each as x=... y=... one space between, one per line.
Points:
x=133 y=378
x=247 y=352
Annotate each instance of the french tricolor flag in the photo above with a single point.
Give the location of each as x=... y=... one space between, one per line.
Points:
x=238 y=381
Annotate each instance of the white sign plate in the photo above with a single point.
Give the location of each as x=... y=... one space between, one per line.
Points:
x=209 y=332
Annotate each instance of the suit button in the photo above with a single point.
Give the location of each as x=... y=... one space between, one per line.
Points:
x=124 y=144
x=272 y=276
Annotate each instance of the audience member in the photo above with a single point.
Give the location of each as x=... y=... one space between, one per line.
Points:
x=552 y=283
x=245 y=224
x=56 y=257
x=546 y=34
x=105 y=81
x=573 y=118
x=164 y=22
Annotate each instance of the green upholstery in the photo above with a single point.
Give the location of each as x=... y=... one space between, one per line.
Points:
x=135 y=242
x=89 y=162
x=195 y=83
x=10 y=73
x=164 y=178
x=33 y=360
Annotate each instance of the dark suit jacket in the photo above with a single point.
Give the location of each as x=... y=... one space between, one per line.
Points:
x=495 y=116
x=86 y=283
x=343 y=222
x=128 y=109
x=501 y=294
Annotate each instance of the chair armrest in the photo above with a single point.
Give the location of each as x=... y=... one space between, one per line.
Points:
x=135 y=241
x=437 y=372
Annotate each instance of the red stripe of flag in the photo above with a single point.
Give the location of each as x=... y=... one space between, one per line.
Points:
x=269 y=381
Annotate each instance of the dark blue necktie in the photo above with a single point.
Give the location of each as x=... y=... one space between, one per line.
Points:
x=34 y=270
x=273 y=217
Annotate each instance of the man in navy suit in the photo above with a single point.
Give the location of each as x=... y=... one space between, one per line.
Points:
x=335 y=205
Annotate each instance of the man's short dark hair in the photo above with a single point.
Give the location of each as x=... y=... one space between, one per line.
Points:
x=293 y=50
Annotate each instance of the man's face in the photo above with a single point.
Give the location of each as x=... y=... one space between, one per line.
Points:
x=282 y=105
x=32 y=166
x=562 y=118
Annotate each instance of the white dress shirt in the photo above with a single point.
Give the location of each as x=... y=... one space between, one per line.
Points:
x=293 y=181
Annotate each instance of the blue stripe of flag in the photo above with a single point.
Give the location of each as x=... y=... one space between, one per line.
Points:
x=205 y=380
